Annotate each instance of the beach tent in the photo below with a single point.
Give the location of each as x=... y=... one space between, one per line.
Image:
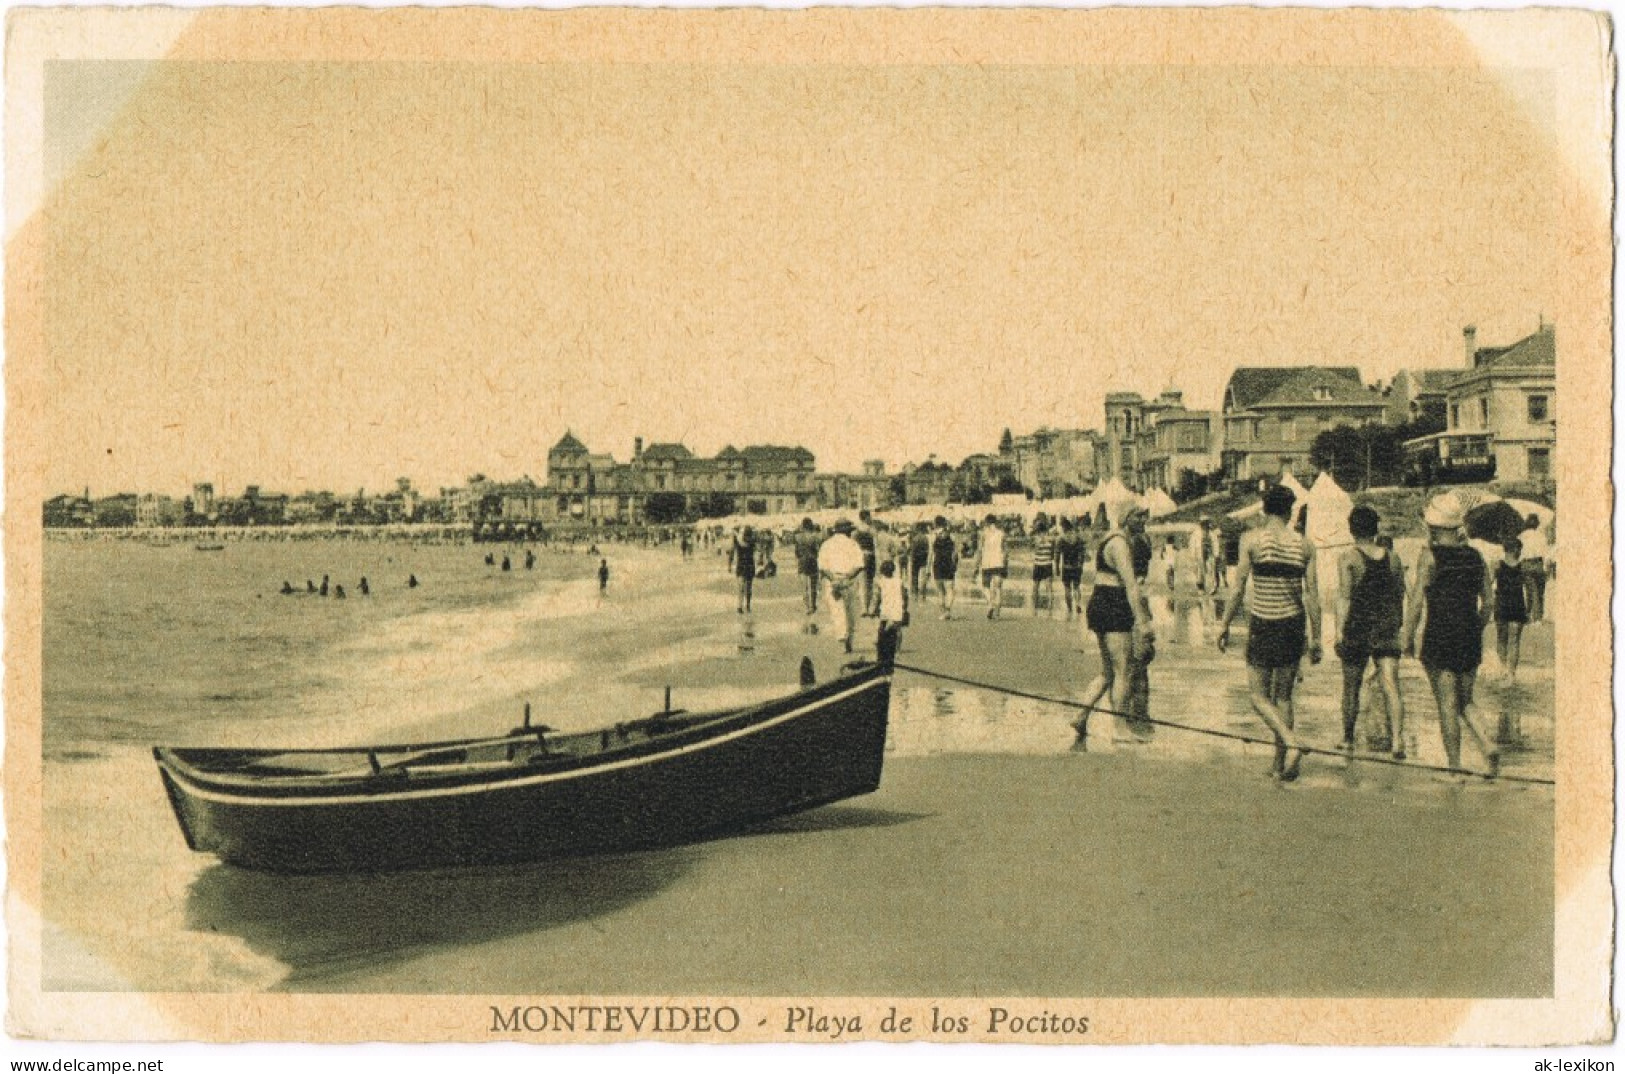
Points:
x=1159 y=503
x=1110 y=491
x=1329 y=508
x=1328 y=530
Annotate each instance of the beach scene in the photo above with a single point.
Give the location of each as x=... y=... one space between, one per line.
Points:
x=978 y=784
x=759 y=507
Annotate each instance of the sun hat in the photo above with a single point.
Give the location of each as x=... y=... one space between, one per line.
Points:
x=1444 y=512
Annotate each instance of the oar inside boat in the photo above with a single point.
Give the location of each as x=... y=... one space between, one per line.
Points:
x=522 y=796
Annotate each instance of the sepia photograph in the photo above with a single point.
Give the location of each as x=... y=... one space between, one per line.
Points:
x=1001 y=526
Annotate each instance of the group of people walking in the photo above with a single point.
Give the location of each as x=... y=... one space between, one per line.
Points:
x=1379 y=618
x=1437 y=611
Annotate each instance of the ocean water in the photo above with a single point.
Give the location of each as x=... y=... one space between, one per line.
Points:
x=166 y=644
x=147 y=645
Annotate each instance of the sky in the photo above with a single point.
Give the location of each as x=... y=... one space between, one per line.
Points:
x=331 y=274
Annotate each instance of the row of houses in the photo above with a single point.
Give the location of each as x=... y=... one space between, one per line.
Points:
x=1494 y=416
x=255 y=507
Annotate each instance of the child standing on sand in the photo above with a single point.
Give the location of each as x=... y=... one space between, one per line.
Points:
x=893 y=600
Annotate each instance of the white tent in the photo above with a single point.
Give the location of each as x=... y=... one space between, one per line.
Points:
x=1329 y=508
x=1328 y=530
x=1159 y=503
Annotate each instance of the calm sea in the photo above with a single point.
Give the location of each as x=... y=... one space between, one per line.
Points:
x=152 y=643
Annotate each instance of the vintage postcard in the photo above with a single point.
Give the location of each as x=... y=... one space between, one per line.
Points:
x=1009 y=526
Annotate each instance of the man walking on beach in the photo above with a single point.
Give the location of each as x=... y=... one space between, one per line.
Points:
x=919 y=556
x=1452 y=591
x=1069 y=553
x=1534 y=545
x=840 y=565
x=991 y=564
x=1043 y=565
x=944 y=565
x=807 y=542
x=865 y=536
x=1370 y=612
x=1283 y=605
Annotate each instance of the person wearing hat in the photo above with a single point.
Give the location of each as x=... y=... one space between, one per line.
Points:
x=1453 y=590
x=1283 y=608
x=840 y=565
x=1119 y=615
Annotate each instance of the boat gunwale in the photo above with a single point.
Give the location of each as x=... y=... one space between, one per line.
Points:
x=396 y=781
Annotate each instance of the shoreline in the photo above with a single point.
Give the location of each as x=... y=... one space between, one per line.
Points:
x=994 y=859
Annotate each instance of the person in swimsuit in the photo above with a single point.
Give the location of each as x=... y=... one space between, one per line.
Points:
x=744 y=563
x=1370 y=612
x=1120 y=618
x=919 y=558
x=1453 y=591
x=1069 y=552
x=1139 y=664
x=991 y=565
x=1276 y=571
x=808 y=540
x=1511 y=607
x=944 y=565
x=1043 y=565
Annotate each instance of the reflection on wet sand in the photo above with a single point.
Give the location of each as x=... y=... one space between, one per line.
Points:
x=330 y=925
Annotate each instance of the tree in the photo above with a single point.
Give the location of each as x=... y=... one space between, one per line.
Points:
x=1007 y=443
x=1193 y=484
x=1363 y=457
x=715 y=505
x=663 y=508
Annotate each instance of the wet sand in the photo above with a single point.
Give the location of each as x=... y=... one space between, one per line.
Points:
x=994 y=859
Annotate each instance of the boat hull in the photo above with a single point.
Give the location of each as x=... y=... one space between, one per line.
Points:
x=809 y=750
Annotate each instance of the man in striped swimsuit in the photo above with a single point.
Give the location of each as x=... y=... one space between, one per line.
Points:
x=1283 y=609
x=1043 y=564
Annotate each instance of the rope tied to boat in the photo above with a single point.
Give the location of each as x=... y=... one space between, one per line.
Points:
x=1234 y=736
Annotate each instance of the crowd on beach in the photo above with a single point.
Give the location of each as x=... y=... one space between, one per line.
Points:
x=1435 y=609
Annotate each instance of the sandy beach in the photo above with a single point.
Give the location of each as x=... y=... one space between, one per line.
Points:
x=995 y=859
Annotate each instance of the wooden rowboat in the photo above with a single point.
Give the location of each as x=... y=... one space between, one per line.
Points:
x=532 y=793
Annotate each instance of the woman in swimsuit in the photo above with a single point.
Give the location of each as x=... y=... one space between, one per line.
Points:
x=1453 y=588
x=1120 y=618
x=1283 y=614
